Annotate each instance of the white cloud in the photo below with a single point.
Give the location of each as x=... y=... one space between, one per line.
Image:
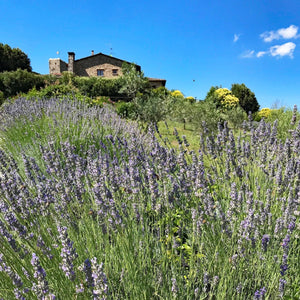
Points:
x=290 y=32
x=269 y=36
x=236 y=37
x=283 y=50
x=261 y=53
x=248 y=54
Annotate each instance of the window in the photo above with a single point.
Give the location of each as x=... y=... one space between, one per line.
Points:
x=115 y=72
x=100 y=72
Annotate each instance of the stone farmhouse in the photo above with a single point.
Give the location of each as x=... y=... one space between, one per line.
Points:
x=100 y=64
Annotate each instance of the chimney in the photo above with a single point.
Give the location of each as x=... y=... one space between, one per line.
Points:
x=71 y=56
x=92 y=52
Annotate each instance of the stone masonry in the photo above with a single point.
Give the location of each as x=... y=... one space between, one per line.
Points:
x=100 y=64
x=57 y=66
x=94 y=65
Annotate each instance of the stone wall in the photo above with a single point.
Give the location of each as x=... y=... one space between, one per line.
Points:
x=57 y=66
x=88 y=66
x=109 y=71
x=110 y=67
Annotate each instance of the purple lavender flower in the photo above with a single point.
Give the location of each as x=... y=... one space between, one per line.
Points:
x=286 y=242
x=100 y=288
x=294 y=117
x=79 y=289
x=265 y=241
x=174 y=287
x=86 y=267
x=40 y=288
x=282 y=283
x=68 y=253
x=259 y=294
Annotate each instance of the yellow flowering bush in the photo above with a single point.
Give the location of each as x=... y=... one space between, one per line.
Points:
x=177 y=93
x=190 y=99
x=226 y=99
x=264 y=113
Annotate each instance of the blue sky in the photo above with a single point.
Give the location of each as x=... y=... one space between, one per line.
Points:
x=193 y=44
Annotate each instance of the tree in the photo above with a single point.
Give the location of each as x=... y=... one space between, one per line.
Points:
x=133 y=81
x=210 y=96
x=247 y=98
x=153 y=105
x=12 y=59
x=222 y=98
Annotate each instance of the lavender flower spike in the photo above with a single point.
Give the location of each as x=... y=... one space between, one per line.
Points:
x=68 y=253
x=100 y=289
x=41 y=288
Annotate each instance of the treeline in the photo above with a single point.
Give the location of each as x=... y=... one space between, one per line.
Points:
x=12 y=59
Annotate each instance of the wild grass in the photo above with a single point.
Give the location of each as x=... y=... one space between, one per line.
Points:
x=93 y=208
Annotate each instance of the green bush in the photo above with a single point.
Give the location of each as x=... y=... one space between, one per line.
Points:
x=95 y=87
x=235 y=117
x=126 y=110
x=58 y=91
x=20 y=81
x=2 y=98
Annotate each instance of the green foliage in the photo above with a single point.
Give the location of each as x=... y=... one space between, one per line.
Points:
x=56 y=90
x=283 y=117
x=246 y=97
x=190 y=99
x=95 y=87
x=12 y=59
x=133 y=81
x=99 y=101
x=153 y=106
x=126 y=110
x=234 y=117
x=263 y=113
x=67 y=78
x=206 y=112
x=210 y=96
x=2 y=98
x=179 y=109
x=20 y=81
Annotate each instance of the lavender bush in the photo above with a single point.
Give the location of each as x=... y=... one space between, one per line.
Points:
x=93 y=208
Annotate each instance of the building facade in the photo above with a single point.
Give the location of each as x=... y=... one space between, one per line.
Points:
x=100 y=65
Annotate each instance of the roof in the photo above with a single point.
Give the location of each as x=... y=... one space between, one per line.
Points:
x=102 y=54
x=155 y=79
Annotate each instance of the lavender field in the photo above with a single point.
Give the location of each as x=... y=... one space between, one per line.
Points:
x=91 y=207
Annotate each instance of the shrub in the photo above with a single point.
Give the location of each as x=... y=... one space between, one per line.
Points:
x=2 y=98
x=99 y=101
x=190 y=99
x=177 y=93
x=263 y=113
x=20 y=81
x=235 y=117
x=95 y=87
x=126 y=110
x=226 y=99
